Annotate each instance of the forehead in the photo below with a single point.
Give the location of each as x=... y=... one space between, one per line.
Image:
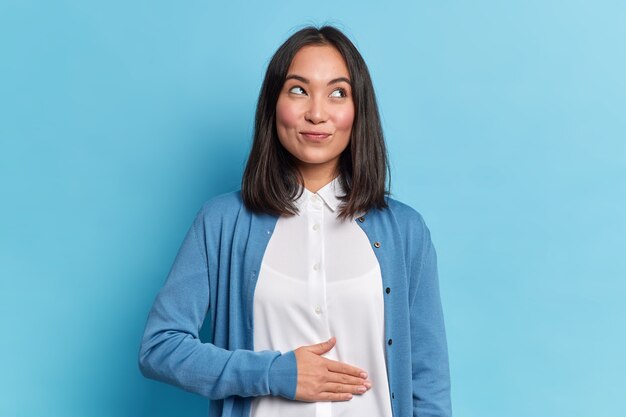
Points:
x=318 y=62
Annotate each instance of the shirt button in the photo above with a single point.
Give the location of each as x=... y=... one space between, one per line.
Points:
x=317 y=201
x=388 y=290
x=361 y=219
x=316 y=227
x=389 y=342
x=316 y=267
x=318 y=310
x=377 y=244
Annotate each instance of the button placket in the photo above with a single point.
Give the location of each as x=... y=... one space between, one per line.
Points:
x=316 y=251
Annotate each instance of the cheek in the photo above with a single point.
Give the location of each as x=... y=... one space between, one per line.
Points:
x=286 y=115
x=344 y=119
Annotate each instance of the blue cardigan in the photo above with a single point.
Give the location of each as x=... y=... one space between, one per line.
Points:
x=214 y=276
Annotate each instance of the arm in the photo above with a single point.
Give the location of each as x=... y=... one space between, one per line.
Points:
x=172 y=352
x=431 y=377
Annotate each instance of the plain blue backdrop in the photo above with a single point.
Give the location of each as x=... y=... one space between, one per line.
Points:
x=505 y=123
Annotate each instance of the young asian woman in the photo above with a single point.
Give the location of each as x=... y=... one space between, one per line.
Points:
x=321 y=291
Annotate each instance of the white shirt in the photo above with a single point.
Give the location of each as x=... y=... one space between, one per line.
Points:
x=320 y=278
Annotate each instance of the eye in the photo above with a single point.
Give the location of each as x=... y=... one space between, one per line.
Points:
x=339 y=93
x=297 y=90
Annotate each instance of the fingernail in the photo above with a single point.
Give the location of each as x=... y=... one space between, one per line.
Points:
x=367 y=384
x=364 y=375
x=361 y=390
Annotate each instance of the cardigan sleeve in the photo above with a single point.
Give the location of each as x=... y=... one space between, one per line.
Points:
x=431 y=376
x=171 y=350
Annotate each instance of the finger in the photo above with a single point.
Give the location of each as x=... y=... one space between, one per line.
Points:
x=344 y=368
x=333 y=396
x=323 y=347
x=345 y=379
x=342 y=389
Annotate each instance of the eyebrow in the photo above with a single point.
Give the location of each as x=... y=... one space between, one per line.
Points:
x=306 y=80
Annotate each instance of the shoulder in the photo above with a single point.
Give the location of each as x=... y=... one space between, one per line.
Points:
x=219 y=212
x=406 y=216
x=223 y=205
x=410 y=228
x=413 y=234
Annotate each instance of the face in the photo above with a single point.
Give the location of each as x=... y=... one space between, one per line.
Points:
x=315 y=110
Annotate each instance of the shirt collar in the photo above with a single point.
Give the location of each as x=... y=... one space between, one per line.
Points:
x=331 y=194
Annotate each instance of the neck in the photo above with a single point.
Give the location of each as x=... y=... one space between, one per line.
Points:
x=316 y=177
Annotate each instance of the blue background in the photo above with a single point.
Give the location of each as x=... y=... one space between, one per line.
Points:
x=506 y=129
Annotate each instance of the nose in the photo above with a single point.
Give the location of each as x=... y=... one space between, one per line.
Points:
x=316 y=113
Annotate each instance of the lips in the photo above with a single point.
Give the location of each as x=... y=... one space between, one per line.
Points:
x=315 y=136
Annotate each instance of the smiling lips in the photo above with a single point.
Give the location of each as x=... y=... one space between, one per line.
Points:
x=315 y=136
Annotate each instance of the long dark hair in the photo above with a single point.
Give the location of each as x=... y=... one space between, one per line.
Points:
x=271 y=180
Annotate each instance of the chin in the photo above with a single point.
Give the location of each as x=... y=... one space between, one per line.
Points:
x=316 y=159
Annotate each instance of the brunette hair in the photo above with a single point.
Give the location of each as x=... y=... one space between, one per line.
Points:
x=271 y=180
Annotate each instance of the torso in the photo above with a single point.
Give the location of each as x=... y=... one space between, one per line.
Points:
x=320 y=278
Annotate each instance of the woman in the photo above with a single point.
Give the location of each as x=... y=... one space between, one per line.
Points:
x=321 y=291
